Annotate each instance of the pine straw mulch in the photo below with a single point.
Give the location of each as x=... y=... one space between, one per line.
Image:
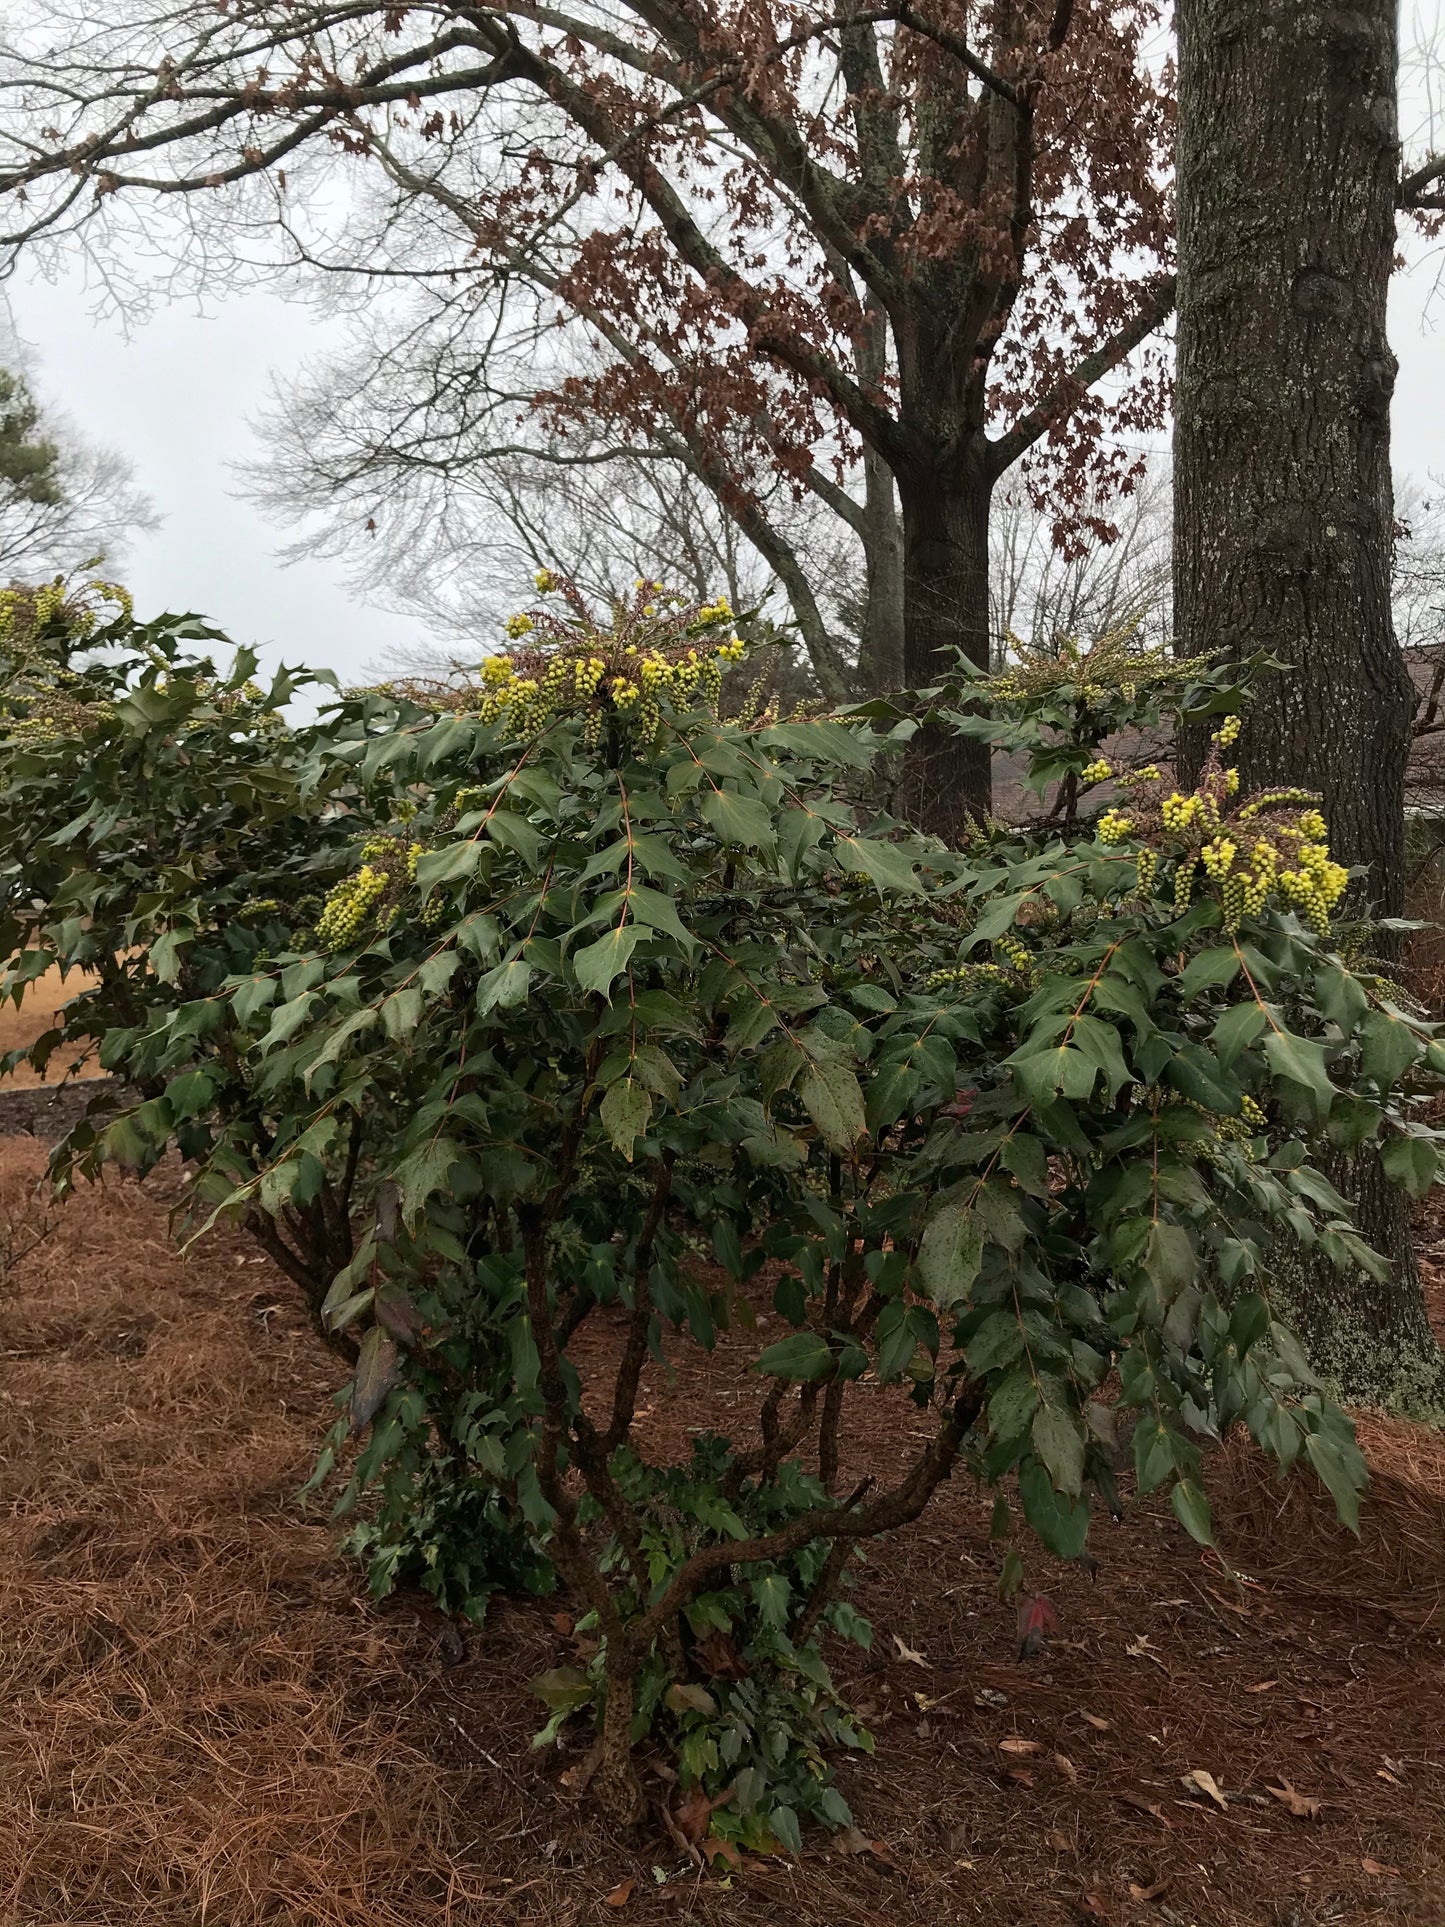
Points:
x=205 y=1722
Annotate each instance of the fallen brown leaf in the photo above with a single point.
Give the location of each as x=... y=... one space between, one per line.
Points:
x=1263 y=1686
x=1196 y=1780
x=1101 y=1726
x=908 y=1653
x=1376 y=1867
x=1021 y=1774
x=695 y=1813
x=1136 y=1892
x=852 y=1840
x=1384 y=1773
x=578 y=1778
x=1093 y=1908
x=1143 y=1804
x=1141 y=1648
x=1302 y=1805
x=1067 y=1768
x=724 y=1850
x=1015 y=1745
x=1060 y=1842
x=622 y=1892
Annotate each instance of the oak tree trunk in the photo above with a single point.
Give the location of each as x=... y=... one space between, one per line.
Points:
x=1286 y=173
x=945 y=611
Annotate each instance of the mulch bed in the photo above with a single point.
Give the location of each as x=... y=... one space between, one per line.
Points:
x=205 y=1720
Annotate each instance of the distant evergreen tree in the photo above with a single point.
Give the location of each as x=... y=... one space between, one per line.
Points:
x=29 y=463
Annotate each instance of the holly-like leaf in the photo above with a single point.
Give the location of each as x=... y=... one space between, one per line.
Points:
x=1412 y=1162
x=1059 y=1443
x=950 y=1254
x=625 y=1112
x=375 y=1376
x=832 y=1097
x=597 y=964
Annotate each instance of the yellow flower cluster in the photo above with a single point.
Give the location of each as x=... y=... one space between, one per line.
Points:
x=630 y=684
x=1273 y=843
x=1147 y=773
x=1218 y=856
x=348 y=907
x=519 y=625
x=1115 y=664
x=1316 y=885
x=385 y=862
x=1114 y=826
x=1099 y=771
x=1146 y=869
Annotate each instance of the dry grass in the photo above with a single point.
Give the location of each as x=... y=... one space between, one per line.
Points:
x=202 y=1722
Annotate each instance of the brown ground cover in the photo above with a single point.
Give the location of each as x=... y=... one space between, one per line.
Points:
x=205 y=1721
x=20 y=1028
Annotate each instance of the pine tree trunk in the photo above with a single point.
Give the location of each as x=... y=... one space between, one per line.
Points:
x=947 y=783
x=1287 y=163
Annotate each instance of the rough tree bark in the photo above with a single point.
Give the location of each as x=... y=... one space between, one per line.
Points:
x=1287 y=180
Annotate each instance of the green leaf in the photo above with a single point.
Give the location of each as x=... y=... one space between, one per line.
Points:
x=658 y=912
x=1169 y=1258
x=949 y=1255
x=801 y=1355
x=998 y=1341
x=1196 y=1074
x=884 y=864
x=563 y=1688
x=737 y=819
x=831 y=1095
x=1061 y=1522
x=422 y=1174
x=1387 y=1048
x=1191 y=1509
x=1342 y=1472
x=771 y=1595
x=165 y=955
x=1412 y=1162
x=1301 y=1061
x=401 y=1013
x=1236 y=1030
x=625 y=1112
x=1059 y=1444
x=597 y=964
x=447 y=865
x=1028 y=1161
x=504 y=985
x=1210 y=970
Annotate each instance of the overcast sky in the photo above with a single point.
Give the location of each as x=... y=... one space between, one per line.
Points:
x=178 y=397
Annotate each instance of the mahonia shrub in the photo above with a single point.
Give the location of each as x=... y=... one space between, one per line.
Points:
x=647 y=1003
